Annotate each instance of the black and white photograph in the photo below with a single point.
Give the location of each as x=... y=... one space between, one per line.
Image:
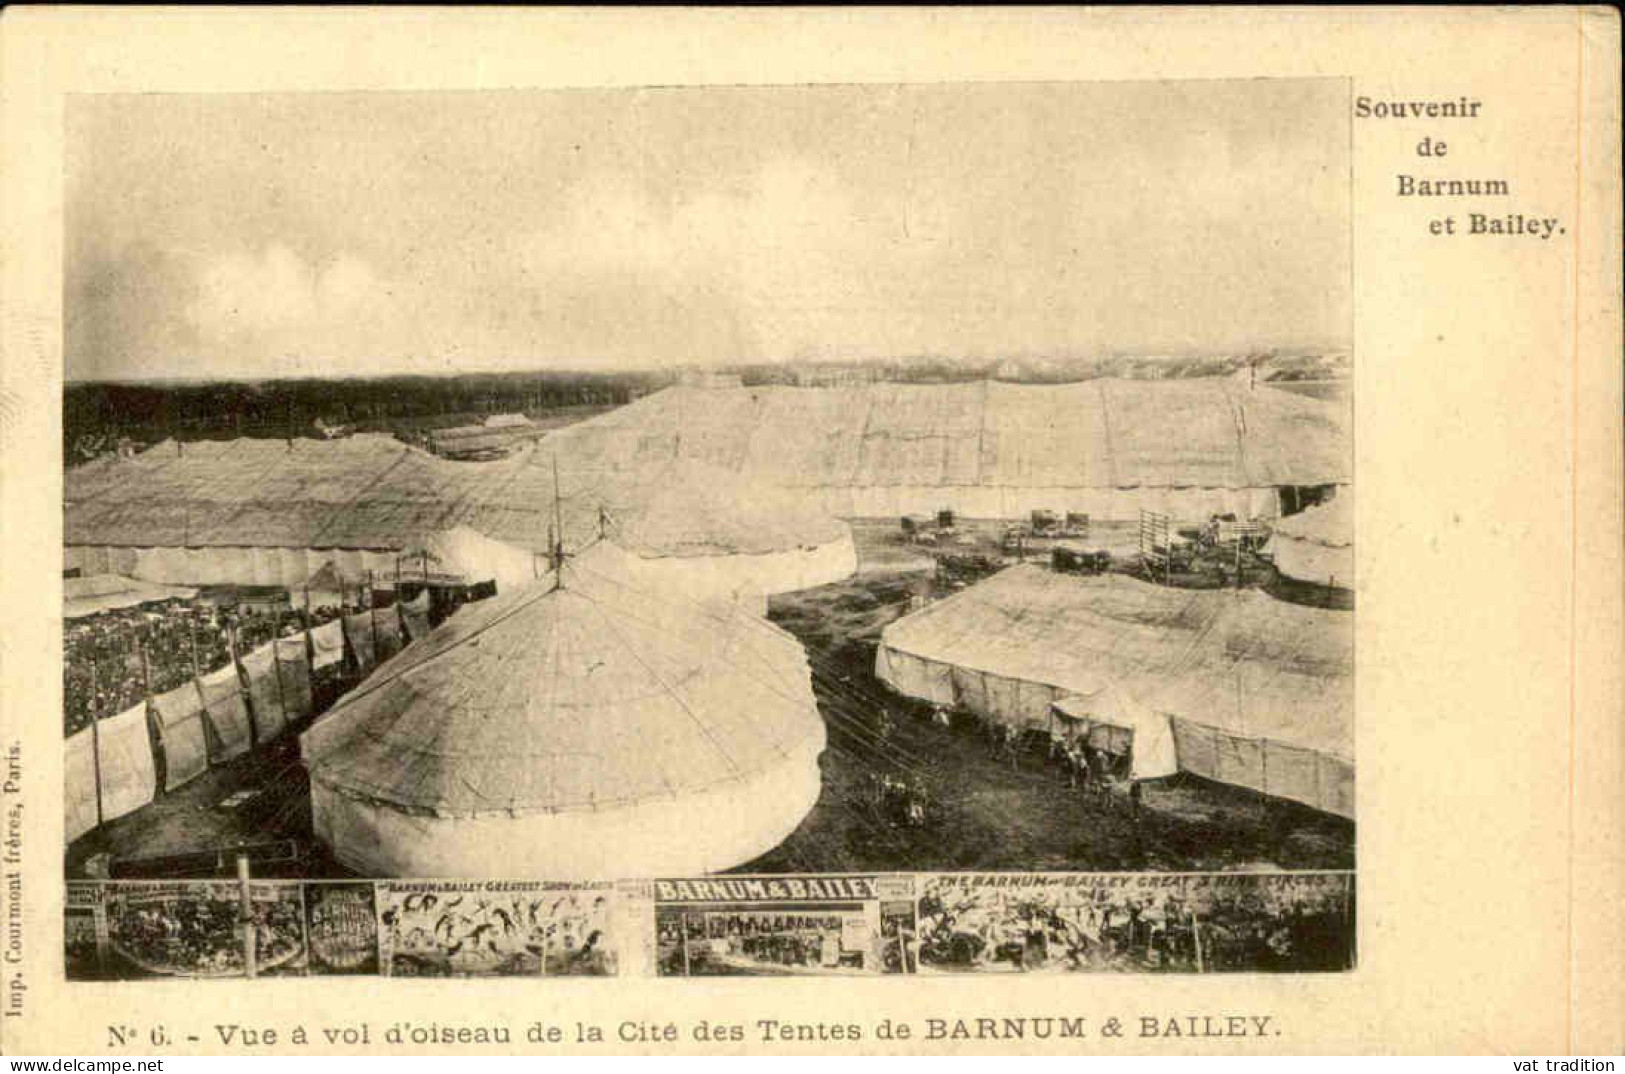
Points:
x=587 y=485
x=778 y=927
x=807 y=531
x=1137 y=923
x=496 y=929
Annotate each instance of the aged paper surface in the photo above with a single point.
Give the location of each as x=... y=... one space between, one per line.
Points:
x=864 y=499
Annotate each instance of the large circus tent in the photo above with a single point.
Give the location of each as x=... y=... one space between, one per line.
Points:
x=585 y=726
x=1244 y=688
x=1189 y=448
x=273 y=512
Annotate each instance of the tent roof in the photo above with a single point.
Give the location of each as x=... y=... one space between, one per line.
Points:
x=1244 y=662
x=689 y=508
x=596 y=693
x=1205 y=433
x=1108 y=704
x=470 y=554
x=1330 y=524
x=371 y=491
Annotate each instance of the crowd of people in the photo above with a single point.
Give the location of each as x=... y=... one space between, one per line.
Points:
x=1275 y=924
x=113 y=660
x=197 y=933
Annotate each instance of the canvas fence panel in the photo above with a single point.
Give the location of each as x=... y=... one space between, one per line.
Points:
x=91 y=560
x=926 y=679
x=293 y=665
x=152 y=564
x=1197 y=748
x=226 y=712
x=264 y=692
x=79 y=783
x=236 y=565
x=1117 y=741
x=1033 y=700
x=349 y=561
x=267 y=569
x=415 y=615
x=129 y=778
x=388 y=624
x=291 y=569
x=1291 y=772
x=358 y=632
x=1336 y=783
x=1002 y=700
x=178 y=715
x=1241 y=761
x=328 y=642
x=970 y=691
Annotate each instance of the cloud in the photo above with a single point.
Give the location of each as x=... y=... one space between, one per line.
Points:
x=747 y=270
x=241 y=235
x=244 y=296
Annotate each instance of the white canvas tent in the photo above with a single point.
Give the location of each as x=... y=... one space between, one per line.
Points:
x=1317 y=544
x=467 y=554
x=83 y=597
x=259 y=512
x=586 y=729
x=326 y=587
x=1108 y=717
x=1189 y=448
x=1257 y=692
x=707 y=534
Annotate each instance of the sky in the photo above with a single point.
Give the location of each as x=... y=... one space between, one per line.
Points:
x=273 y=235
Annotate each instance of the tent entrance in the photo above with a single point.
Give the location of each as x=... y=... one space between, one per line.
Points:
x=1108 y=748
x=1295 y=498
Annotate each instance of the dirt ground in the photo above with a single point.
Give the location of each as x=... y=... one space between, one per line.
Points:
x=987 y=813
x=984 y=813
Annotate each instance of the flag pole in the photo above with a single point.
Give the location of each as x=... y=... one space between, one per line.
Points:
x=558 y=529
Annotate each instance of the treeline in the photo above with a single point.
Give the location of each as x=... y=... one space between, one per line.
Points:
x=148 y=412
x=97 y=415
x=1269 y=366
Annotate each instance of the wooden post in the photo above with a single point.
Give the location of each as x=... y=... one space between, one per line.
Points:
x=245 y=913
x=231 y=645
x=96 y=738
x=276 y=666
x=1196 y=938
x=372 y=618
x=191 y=640
x=146 y=676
